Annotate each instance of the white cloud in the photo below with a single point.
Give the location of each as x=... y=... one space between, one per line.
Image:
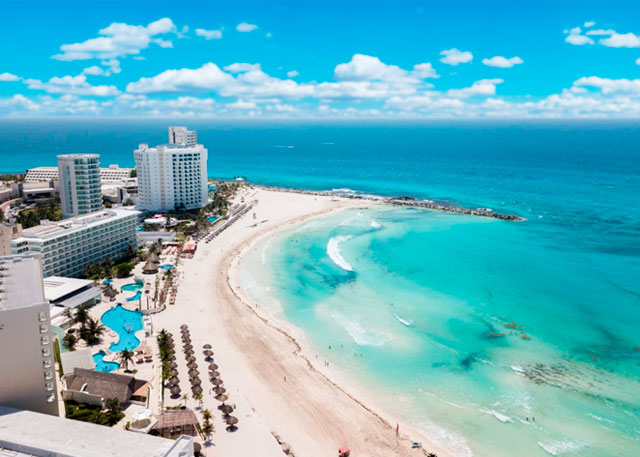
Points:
x=245 y=27
x=454 y=56
x=597 y=32
x=621 y=40
x=609 y=86
x=638 y=61
x=9 y=77
x=242 y=105
x=94 y=70
x=209 y=34
x=575 y=37
x=502 y=62
x=425 y=70
x=268 y=34
x=369 y=68
x=589 y=24
x=74 y=85
x=292 y=74
x=119 y=40
x=481 y=87
x=242 y=67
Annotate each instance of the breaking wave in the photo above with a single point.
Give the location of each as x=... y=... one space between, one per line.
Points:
x=333 y=251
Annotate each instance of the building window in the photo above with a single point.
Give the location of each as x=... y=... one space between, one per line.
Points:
x=48 y=375
x=44 y=340
x=49 y=386
x=51 y=398
x=43 y=328
x=46 y=352
x=47 y=363
x=42 y=316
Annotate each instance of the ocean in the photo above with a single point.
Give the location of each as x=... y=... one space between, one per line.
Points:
x=498 y=338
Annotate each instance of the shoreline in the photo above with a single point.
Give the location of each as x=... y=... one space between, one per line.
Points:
x=266 y=362
x=411 y=202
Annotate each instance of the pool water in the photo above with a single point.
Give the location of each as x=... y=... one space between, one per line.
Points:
x=139 y=228
x=107 y=281
x=135 y=297
x=212 y=219
x=60 y=335
x=125 y=323
x=104 y=365
x=131 y=287
x=166 y=266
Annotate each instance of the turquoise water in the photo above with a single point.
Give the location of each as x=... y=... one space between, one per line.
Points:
x=166 y=266
x=125 y=323
x=212 y=219
x=412 y=302
x=132 y=287
x=104 y=365
x=107 y=281
x=135 y=297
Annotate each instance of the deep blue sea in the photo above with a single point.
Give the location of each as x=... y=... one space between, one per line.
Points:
x=417 y=300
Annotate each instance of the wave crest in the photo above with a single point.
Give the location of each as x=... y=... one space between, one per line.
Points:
x=333 y=251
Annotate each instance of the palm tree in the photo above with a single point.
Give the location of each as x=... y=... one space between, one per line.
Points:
x=185 y=397
x=70 y=341
x=92 y=331
x=82 y=315
x=198 y=397
x=207 y=428
x=125 y=357
x=113 y=410
x=68 y=314
x=206 y=414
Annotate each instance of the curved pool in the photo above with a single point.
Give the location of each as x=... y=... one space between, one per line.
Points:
x=166 y=266
x=135 y=297
x=132 y=287
x=125 y=323
x=104 y=365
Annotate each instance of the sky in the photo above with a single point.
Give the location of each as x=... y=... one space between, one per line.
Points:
x=312 y=59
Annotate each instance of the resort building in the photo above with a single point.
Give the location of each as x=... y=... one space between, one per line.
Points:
x=28 y=434
x=79 y=184
x=27 y=365
x=96 y=387
x=113 y=173
x=69 y=245
x=65 y=293
x=172 y=176
x=180 y=135
x=7 y=233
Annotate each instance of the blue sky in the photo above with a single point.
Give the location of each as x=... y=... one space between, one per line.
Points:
x=320 y=59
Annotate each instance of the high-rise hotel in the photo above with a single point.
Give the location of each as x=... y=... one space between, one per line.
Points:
x=79 y=184
x=27 y=365
x=172 y=176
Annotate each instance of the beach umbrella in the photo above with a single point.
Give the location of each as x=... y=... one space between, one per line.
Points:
x=187 y=347
x=195 y=381
x=175 y=390
x=219 y=390
x=231 y=420
x=192 y=365
x=110 y=291
x=214 y=374
x=222 y=398
x=194 y=373
x=206 y=346
x=184 y=326
x=173 y=365
x=174 y=381
x=208 y=353
x=213 y=366
x=196 y=389
x=226 y=409
x=217 y=382
x=191 y=358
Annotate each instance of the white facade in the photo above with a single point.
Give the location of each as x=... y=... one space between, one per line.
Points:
x=79 y=178
x=27 y=365
x=113 y=173
x=180 y=135
x=171 y=176
x=69 y=245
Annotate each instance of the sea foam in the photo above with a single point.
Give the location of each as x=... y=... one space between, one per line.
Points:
x=560 y=447
x=333 y=251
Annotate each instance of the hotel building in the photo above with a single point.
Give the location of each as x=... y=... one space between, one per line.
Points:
x=27 y=365
x=113 y=173
x=79 y=184
x=172 y=176
x=69 y=245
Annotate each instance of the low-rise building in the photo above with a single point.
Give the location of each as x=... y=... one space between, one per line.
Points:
x=72 y=293
x=28 y=434
x=7 y=233
x=113 y=173
x=69 y=245
x=96 y=387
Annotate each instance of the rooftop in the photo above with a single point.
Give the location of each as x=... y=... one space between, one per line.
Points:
x=34 y=434
x=56 y=287
x=105 y=385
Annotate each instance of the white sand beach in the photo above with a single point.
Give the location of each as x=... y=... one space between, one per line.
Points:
x=255 y=351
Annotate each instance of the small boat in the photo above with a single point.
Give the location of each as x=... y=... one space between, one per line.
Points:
x=524 y=336
x=511 y=325
x=496 y=335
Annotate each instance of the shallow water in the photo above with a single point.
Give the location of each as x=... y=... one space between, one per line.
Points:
x=414 y=304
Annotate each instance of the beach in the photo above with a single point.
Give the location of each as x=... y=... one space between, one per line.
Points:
x=271 y=373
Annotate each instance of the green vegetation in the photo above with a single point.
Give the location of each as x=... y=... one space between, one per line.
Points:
x=125 y=357
x=47 y=209
x=12 y=177
x=110 y=416
x=91 y=332
x=105 y=269
x=70 y=341
x=122 y=270
x=134 y=173
x=56 y=355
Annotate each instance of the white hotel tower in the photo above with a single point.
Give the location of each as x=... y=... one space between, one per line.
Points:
x=172 y=176
x=27 y=365
x=79 y=178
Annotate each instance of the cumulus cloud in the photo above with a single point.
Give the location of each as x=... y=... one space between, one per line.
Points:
x=621 y=40
x=425 y=70
x=454 y=56
x=9 y=77
x=94 y=70
x=242 y=67
x=575 y=37
x=609 y=86
x=209 y=34
x=292 y=74
x=73 y=85
x=589 y=24
x=481 y=87
x=245 y=27
x=638 y=61
x=119 y=40
x=502 y=62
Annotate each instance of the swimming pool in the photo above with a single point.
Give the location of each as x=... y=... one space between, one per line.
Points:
x=125 y=323
x=104 y=365
x=135 y=297
x=131 y=287
x=212 y=219
x=166 y=266
x=107 y=281
x=60 y=335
